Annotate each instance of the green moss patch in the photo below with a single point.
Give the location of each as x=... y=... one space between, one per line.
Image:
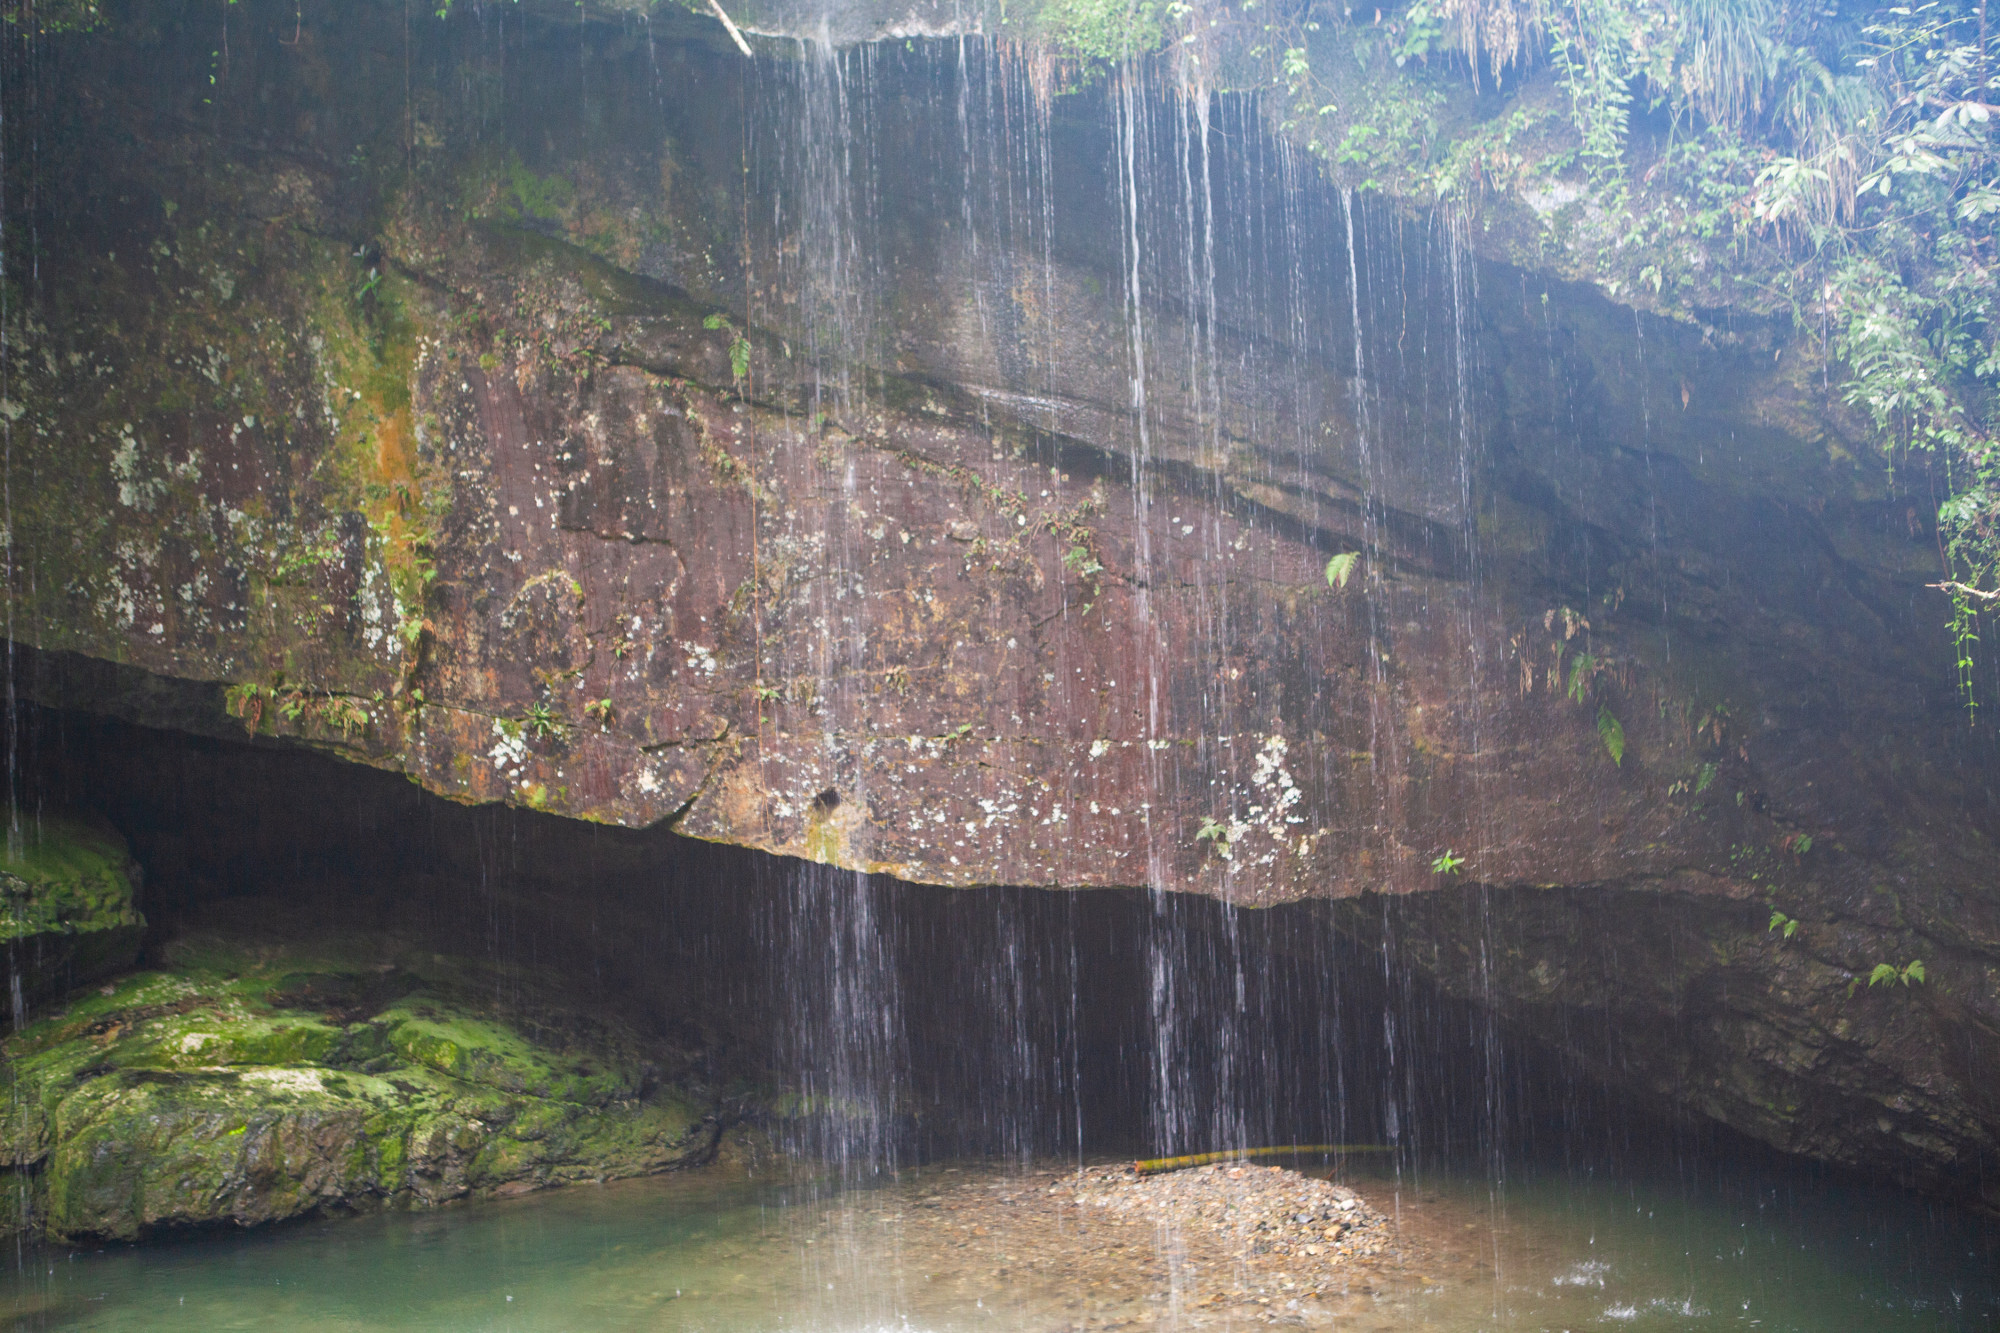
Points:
x=247 y=1085
x=64 y=877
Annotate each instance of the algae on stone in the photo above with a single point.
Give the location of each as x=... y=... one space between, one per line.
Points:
x=69 y=906
x=248 y=1085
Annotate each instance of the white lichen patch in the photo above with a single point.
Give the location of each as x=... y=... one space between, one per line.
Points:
x=135 y=490
x=699 y=658
x=510 y=748
x=377 y=605
x=1276 y=795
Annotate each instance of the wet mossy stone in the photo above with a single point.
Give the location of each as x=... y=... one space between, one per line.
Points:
x=69 y=903
x=250 y=1084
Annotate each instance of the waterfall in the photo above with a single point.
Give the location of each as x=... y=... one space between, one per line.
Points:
x=841 y=1028
x=1288 y=356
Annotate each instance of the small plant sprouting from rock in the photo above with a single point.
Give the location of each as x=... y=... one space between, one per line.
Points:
x=1079 y=560
x=603 y=710
x=306 y=558
x=542 y=722
x=1446 y=863
x=1700 y=781
x=1341 y=568
x=1582 y=670
x=1216 y=834
x=1887 y=973
x=739 y=346
x=1779 y=921
x=1612 y=732
x=253 y=702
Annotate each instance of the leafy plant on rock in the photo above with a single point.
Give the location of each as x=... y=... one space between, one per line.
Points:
x=1612 y=732
x=1216 y=834
x=1341 y=568
x=542 y=722
x=1888 y=973
x=739 y=346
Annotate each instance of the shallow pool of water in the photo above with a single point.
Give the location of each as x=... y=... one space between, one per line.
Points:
x=1551 y=1250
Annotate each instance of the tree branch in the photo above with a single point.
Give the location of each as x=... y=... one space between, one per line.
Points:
x=1967 y=589
x=734 y=31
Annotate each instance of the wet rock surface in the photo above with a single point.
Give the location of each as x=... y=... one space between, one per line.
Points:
x=1225 y=1242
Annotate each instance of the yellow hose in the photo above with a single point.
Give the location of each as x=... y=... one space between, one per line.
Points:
x=1158 y=1164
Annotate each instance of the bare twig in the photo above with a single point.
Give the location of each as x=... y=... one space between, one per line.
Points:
x=729 y=23
x=1968 y=590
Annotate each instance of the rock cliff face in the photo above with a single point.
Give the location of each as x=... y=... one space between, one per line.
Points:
x=875 y=458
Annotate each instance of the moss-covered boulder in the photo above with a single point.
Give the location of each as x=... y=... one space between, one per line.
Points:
x=246 y=1085
x=69 y=903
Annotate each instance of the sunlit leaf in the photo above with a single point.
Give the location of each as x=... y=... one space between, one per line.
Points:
x=1341 y=568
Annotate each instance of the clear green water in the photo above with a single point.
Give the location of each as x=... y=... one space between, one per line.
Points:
x=1560 y=1251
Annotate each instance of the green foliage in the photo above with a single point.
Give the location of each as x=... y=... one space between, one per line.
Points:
x=1446 y=863
x=302 y=558
x=1582 y=671
x=1215 y=833
x=1704 y=777
x=52 y=16
x=603 y=710
x=1888 y=973
x=1592 y=48
x=1779 y=921
x=1104 y=30
x=253 y=703
x=542 y=722
x=1612 y=732
x=1398 y=126
x=1080 y=560
x=1341 y=568
x=1850 y=161
x=1422 y=32
x=739 y=346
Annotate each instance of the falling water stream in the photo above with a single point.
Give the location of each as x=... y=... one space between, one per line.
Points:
x=1142 y=264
